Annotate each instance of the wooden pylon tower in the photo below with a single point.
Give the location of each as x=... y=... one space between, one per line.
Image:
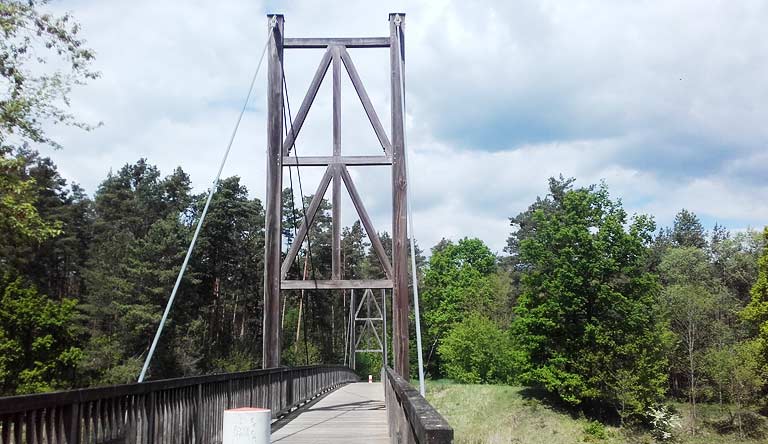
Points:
x=336 y=175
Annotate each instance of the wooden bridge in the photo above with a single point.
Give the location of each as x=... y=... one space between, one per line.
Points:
x=313 y=404
x=318 y=404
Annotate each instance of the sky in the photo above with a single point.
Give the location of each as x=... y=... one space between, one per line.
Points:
x=665 y=101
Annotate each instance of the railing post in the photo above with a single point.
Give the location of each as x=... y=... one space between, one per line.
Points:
x=289 y=388
x=199 y=414
x=229 y=393
x=150 y=408
x=72 y=423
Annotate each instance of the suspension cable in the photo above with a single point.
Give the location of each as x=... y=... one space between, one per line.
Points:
x=214 y=185
x=401 y=49
x=294 y=149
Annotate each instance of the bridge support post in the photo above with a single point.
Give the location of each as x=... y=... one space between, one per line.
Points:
x=400 y=297
x=271 y=334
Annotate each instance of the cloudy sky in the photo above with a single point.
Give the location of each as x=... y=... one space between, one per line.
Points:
x=666 y=101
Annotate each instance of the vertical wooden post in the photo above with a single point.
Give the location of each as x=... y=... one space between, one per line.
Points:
x=385 y=335
x=271 y=334
x=352 y=333
x=71 y=422
x=400 y=297
x=336 y=207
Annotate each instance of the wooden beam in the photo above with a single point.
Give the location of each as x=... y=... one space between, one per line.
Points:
x=376 y=244
x=336 y=196
x=366 y=101
x=335 y=284
x=400 y=296
x=301 y=115
x=352 y=329
x=305 y=224
x=352 y=42
x=272 y=233
x=329 y=160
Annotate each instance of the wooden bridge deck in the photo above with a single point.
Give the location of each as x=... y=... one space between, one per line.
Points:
x=353 y=413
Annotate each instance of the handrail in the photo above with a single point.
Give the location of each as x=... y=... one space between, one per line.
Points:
x=184 y=410
x=411 y=418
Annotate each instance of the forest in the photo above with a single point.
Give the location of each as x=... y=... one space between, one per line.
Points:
x=607 y=313
x=602 y=309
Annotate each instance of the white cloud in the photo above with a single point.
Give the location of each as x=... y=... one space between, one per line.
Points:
x=666 y=101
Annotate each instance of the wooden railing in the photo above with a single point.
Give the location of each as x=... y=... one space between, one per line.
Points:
x=183 y=410
x=412 y=420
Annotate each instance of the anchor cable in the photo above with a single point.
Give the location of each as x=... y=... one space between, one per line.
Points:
x=294 y=149
x=401 y=49
x=204 y=213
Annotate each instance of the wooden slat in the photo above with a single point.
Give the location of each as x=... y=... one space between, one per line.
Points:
x=305 y=224
x=351 y=42
x=366 y=101
x=329 y=160
x=335 y=284
x=378 y=248
x=301 y=115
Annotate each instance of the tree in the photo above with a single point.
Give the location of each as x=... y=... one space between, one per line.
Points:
x=737 y=371
x=690 y=310
x=54 y=264
x=228 y=264
x=734 y=259
x=458 y=281
x=31 y=43
x=140 y=234
x=756 y=312
x=34 y=41
x=38 y=340
x=477 y=351
x=586 y=317
x=687 y=230
x=20 y=221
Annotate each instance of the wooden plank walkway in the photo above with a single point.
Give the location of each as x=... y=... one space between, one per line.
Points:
x=353 y=413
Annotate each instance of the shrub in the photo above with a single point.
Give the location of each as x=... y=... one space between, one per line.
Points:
x=477 y=351
x=664 y=423
x=594 y=431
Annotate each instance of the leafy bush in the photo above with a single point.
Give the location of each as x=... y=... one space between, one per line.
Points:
x=594 y=431
x=664 y=423
x=477 y=351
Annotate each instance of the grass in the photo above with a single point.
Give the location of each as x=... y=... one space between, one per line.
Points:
x=497 y=414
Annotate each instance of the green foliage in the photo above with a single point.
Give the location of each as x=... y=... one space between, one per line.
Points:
x=690 y=301
x=477 y=351
x=587 y=319
x=368 y=364
x=20 y=219
x=756 y=312
x=38 y=350
x=301 y=353
x=594 y=431
x=460 y=279
x=32 y=42
x=687 y=231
